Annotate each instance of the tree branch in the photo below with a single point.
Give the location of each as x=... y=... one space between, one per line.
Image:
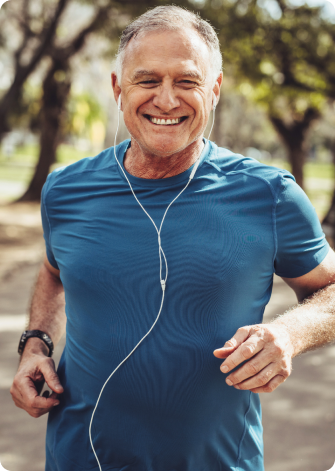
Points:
x=22 y=72
x=63 y=54
x=282 y=5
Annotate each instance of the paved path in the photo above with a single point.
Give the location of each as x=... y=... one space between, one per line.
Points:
x=299 y=417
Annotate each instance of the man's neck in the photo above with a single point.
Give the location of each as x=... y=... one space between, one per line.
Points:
x=142 y=164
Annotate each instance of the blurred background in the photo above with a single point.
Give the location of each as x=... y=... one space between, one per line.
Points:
x=56 y=106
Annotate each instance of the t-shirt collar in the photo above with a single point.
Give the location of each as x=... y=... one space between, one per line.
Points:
x=159 y=182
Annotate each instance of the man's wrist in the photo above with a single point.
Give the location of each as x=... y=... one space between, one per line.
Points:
x=35 y=346
x=27 y=334
x=292 y=346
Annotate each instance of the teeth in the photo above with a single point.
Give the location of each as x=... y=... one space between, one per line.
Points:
x=165 y=122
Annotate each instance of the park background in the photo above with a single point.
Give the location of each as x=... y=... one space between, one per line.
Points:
x=56 y=106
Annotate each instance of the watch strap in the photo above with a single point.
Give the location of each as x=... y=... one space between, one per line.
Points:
x=27 y=334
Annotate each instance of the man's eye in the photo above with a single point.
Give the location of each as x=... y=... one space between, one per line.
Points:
x=148 y=82
x=188 y=82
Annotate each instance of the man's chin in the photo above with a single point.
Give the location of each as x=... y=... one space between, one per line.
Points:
x=163 y=147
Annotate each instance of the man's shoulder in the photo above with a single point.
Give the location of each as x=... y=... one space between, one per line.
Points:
x=83 y=166
x=230 y=164
x=83 y=172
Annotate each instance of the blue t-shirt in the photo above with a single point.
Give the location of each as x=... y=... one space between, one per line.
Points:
x=168 y=407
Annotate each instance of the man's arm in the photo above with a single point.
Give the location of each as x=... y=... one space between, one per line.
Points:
x=47 y=313
x=269 y=348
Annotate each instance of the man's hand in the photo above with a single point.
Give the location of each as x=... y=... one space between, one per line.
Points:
x=268 y=353
x=47 y=313
x=35 y=367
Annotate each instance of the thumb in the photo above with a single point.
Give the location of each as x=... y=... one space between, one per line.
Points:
x=231 y=345
x=51 y=378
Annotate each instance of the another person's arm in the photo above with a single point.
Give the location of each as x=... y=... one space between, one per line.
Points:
x=269 y=348
x=47 y=314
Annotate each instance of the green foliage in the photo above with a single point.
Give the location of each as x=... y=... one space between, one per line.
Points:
x=285 y=61
x=84 y=112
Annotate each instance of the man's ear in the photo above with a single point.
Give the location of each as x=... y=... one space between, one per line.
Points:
x=217 y=87
x=116 y=87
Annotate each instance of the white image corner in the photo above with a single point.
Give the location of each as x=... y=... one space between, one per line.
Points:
x=331 y=469
x=1 y=3
x=1 y=467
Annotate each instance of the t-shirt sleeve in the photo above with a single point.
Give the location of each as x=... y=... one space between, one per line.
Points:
x=46 y=225
x=301 y=243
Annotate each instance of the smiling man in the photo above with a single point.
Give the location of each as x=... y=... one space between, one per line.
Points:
x=165 y=247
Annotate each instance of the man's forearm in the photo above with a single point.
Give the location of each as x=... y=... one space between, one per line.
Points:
x=312 y=323
x=47 y=312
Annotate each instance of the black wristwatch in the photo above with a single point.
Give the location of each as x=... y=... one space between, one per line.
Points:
x=27 y=334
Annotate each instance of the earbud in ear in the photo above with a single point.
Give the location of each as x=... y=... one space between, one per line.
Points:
x=119 y=102
x=214 y=102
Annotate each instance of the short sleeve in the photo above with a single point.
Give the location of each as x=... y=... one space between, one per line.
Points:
x=301 y=243
x=46 y=225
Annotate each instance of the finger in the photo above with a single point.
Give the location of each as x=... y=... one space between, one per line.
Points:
x=244 y=352
x=26 y=397
x=240 y=336
x=51 y=377
x=37 y=407
x=47 y=394
x=32 y=400
x=260 y=379
x=38 y=412
x=256 y=364
x=223 y=352
x=270 y=386
x=41 y=403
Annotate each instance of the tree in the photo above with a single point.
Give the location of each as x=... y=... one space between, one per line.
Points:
x=323 y=138
x=294 y=137
x=56 y=88
x=240 y=125
x=33 y=28
x=284 y=55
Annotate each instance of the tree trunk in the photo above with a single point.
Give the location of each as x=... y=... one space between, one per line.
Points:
x=294 y=138
x=22 y=72
x=55 y=94
x=297 y=155
x=328 y=223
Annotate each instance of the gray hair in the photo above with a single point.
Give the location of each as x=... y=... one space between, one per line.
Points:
x=171 y=18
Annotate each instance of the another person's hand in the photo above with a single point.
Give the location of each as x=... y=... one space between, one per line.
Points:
x=267 y=352
x=35 y=368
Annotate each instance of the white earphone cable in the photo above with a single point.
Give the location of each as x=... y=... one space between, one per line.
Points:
x=160 y=251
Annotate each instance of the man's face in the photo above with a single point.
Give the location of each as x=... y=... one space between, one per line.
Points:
x=166 y=76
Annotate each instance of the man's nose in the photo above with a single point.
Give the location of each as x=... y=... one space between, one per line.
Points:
x=166 y=99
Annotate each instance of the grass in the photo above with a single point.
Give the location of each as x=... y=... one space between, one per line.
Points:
x=319 y=170
x=311 y=169
x=20 y=167
x=21 y=164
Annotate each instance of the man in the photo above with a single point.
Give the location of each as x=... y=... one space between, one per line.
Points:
x=168 y=407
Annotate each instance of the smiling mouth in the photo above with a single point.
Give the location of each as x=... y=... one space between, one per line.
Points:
x=164 y=122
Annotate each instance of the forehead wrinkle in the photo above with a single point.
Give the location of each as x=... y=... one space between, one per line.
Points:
x=192 y=43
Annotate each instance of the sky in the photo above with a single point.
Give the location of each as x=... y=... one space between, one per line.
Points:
x=274 y=10
x=328 y=10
